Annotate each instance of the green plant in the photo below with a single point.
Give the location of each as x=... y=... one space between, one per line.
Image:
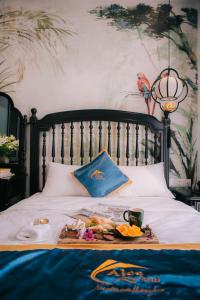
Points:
x=184 y=146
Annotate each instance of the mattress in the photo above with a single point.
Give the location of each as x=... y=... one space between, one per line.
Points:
x=172 y=221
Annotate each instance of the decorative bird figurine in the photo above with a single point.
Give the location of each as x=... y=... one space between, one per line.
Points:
x=145 y=89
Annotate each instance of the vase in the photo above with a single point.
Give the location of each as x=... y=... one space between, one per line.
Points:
x=4 y=159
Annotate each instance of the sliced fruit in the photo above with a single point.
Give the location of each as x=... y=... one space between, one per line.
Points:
x=129 y=231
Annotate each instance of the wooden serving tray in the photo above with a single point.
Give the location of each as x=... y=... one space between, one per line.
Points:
x=139 y=240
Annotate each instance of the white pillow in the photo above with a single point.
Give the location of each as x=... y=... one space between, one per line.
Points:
x=147 y=181
x=60 y=182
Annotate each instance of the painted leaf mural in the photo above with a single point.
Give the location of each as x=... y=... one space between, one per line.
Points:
x=98 y=55
x=184 y=146
x=158 y=23
x=30 y=31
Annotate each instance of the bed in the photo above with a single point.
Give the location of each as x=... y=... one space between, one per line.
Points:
x=135 y=142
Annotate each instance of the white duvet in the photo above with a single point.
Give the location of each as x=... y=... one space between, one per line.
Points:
x=172 y=221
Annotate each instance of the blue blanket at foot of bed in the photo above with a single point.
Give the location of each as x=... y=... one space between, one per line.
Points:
x=90 y=274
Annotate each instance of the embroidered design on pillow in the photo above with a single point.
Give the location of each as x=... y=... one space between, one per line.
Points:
x=97 y=174
x=101 y=176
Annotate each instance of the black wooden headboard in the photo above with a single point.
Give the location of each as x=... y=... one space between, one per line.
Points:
x=98 y=128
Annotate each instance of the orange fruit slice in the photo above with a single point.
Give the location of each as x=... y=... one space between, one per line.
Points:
x=129 y=231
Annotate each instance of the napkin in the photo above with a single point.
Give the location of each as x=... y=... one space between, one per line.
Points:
x=34 y=233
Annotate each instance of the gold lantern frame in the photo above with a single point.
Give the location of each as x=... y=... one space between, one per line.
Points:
x=168 y=90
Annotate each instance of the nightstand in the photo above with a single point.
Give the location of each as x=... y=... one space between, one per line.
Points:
x=12 y=190
x=187 y=196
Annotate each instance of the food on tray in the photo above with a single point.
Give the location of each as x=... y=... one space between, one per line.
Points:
x=73 y=231
x=96 y=228
x=69 y=233
x=100 y=220
x=108 y=237
x=129 y=231
x=148 y=232
x=84 y=219
x=102 y=227
x=96 y=223
x=88 y=235
x=89 y=228
x=99 y=236
x=120 y=234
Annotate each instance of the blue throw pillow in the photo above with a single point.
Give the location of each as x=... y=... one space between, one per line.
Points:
x=101 y=176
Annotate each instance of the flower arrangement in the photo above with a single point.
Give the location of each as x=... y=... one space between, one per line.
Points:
x=8 y=144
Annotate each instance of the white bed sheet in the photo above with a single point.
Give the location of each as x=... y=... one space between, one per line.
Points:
x=171 y=220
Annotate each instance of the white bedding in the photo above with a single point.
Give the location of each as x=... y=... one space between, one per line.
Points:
x=171 y=220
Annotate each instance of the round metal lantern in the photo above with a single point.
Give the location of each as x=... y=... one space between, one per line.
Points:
x=169 y=90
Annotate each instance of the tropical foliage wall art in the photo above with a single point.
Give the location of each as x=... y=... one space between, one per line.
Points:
x=30 y=31
x=109 y=53
x=162 y=22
